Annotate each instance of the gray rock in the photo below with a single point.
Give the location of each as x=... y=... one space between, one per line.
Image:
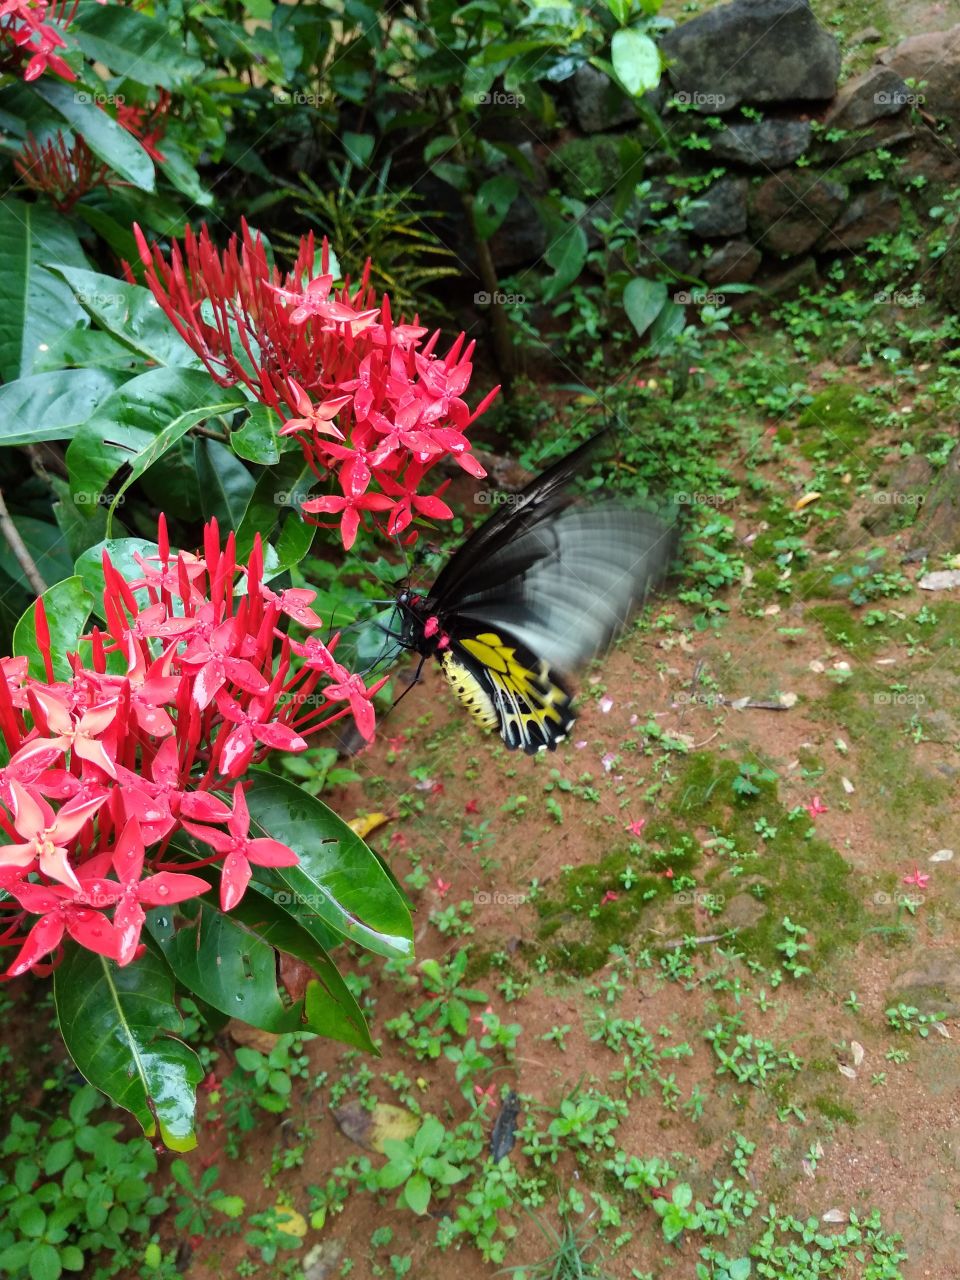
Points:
x=889 y=132
x=791 y=210
x=735 y=262
x=932 y=984
x=875 y=212
x=868 y=35
x=598 y=103
x=765 y=144
x=721 y=210
x=520 y=238
x=934 y=58
x=877 y=93
x=939 y=523
x=752 y=51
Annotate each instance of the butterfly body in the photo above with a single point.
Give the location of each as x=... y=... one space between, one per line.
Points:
x=538 y=589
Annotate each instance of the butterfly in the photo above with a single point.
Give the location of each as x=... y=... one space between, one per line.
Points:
x=534 y=592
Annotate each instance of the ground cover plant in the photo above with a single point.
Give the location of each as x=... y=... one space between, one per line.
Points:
x=302 y=983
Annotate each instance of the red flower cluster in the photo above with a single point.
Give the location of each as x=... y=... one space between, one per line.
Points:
x=26 y=35
x=62 y=173
x=147 y=123
x=67 y=173
x=212 y=682
x=361 y=394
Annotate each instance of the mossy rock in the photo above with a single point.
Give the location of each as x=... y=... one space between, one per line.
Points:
x=586 y=167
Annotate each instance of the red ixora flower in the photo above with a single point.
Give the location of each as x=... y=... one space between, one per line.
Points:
x=636 y=826
x=240 y=850
x=816 y=807
x=105 y=767
x=370 y=403
x=917 y=877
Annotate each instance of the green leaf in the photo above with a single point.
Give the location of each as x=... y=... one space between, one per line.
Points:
x=225 y=483
x=636 y=60
x=567 y=254
x=257 y=439
x=229 y=1206
x=643 y=300
x=50 y=406
x=110 y=141
x=138 y=423
x=119 y=1026
x=416 y=1192
x=131 y=313
x=45 y=1263
x=67 y=606
x=668 y=324
x=296 y=539
x=133 y=45
x=428 y=1137
x=492 y=204
x=230 y=962
x=339 y=881
x=280 y=489
x=35 y=306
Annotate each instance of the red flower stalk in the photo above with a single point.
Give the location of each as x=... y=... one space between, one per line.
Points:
x=62 y=173
x=26 y=35
x=365 y=398
x=104 y=768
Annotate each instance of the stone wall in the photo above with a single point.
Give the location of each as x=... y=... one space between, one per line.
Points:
x=771 y=167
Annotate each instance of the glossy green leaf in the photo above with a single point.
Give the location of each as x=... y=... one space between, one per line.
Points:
x=257 y=439
x=225 y=483
x=67 y=605
x=133 y=45
x=131 y=314
x=339 y=881
x=138 y=423
x=636 y=60
x=230 y=962
x=279 y=492
x=120 y=1027
x=106 y=138
x=50 y=406
x=643 y=300
x=36 y=306
x=295 y=540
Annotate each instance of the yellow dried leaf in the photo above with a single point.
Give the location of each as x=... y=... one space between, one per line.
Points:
x=802 y=503
x=291 y=1222
x=365 y=823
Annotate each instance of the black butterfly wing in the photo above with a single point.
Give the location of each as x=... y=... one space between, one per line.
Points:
x=507 y=687
x=474 y=563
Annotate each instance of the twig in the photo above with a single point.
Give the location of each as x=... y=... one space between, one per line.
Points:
x=19 y=549
x=698 y=942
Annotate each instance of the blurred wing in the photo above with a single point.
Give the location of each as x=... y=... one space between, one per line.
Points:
x=472 y=566
x=506 y=687
x=565 y=588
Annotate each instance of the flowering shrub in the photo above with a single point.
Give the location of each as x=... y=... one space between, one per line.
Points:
x=128 y=790
x=354 y=388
